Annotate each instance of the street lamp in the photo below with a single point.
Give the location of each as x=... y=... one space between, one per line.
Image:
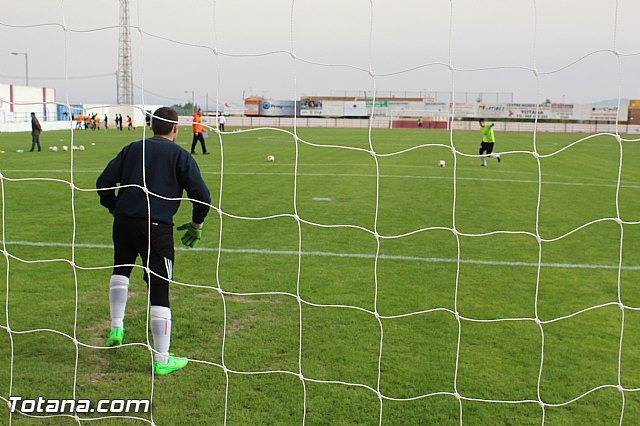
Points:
x=193 y=100
x=26 y=64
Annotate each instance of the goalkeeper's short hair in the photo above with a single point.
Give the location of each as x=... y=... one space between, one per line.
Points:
x=163 y=120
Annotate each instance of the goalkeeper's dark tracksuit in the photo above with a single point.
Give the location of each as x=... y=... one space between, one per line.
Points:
x=169 y=170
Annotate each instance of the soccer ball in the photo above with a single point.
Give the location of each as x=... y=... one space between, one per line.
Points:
x=271 y=158
x=64 y=147
x=81 y=148
x=54 y=148
x=441 y=163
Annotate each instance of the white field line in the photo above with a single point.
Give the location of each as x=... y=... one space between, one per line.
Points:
x=365 y=175
x=348 y=255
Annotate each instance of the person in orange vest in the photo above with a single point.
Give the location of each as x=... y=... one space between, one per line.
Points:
x=198 y=133
x=87 y=121
x=96 y=122
x=79 y=120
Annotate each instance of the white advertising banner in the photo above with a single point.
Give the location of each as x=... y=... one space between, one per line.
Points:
x=233 y=107
x=529 y=111
x=603 y=112
x=277 y=108
x=514 y=111
x=314 y=108
x=465 y=109
x=416 y=109
x=492 y=110
x=356 y=109
x=563 y=111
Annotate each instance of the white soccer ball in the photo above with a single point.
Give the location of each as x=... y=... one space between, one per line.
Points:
x=271 y=158
x=54 y=148
x=81 y=148
x=441 y=163
x=64 y=147
x=93 y=144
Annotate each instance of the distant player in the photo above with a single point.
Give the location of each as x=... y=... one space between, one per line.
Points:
x=221 y=122
x=169 y=170
x=36 y=129
x=106 y=121
x=79 y=121
x=198 y=133
x=129 y=123
x=488 y=140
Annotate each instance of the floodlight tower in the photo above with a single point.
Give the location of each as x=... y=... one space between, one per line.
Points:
x=125 y=72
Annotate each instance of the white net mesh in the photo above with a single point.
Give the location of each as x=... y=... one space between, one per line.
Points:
x=378 y=249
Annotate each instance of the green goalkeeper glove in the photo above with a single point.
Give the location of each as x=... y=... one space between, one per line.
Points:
x=192 y=236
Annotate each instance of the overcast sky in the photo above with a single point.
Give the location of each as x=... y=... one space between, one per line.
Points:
x=492 y=45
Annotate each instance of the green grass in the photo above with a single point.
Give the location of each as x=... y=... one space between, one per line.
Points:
x=416 y=274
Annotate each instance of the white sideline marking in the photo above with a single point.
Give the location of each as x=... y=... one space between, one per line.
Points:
x=321 y=199
x=350 y=255
x=368 y=175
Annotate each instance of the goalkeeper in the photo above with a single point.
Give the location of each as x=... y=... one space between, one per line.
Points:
x=488 y=140
x=168 y=170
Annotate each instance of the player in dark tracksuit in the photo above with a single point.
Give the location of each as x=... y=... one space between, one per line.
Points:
x=168 y=170
x=36 y=129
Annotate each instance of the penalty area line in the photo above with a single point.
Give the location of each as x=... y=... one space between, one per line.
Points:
x=350 y=255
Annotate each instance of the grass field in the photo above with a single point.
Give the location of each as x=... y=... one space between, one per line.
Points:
x=416 y=286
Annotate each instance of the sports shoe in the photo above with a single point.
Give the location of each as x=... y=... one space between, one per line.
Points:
x=194 y=153
x=115 y=337
x=172 y=365
x=498 y=157
x=206 y=153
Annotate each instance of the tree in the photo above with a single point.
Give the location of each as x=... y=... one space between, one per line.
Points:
x=186 y=109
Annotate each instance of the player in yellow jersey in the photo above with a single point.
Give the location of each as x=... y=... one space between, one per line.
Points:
x=488 y=140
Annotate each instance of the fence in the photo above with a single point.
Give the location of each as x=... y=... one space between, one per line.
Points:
x=385 y=122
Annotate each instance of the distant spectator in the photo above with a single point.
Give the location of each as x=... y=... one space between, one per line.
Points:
x=221 y=121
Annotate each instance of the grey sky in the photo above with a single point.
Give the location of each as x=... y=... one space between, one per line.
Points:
x=406 y=34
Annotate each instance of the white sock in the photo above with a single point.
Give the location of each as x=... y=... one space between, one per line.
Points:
x=161 y=331
x=118 y=291
x=484 y=161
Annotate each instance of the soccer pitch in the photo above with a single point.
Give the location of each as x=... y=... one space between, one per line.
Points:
x=417 y=352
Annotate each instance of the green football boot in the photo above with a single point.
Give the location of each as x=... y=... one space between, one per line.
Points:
x=116 y=336
x=172 y=365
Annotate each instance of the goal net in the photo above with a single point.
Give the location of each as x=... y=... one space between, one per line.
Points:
x=352 y=276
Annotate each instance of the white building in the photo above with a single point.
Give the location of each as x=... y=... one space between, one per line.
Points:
x=17 y=103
